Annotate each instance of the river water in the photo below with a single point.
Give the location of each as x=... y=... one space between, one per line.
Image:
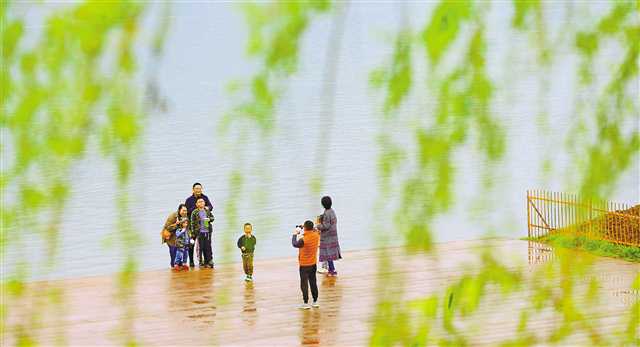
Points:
x=205 y=49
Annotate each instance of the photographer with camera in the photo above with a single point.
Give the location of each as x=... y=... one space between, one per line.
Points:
x=307 y=239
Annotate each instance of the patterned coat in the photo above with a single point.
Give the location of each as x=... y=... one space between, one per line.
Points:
x=195 y=222
x=182 y=237
x=171 y=226
x=329 y=246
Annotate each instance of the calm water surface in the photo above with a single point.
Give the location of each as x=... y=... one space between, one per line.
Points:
x=206 y=50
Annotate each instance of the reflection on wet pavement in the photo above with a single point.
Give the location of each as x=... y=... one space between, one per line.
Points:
x=189 y=308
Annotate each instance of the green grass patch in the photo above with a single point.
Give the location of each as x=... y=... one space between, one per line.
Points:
x=597 y=247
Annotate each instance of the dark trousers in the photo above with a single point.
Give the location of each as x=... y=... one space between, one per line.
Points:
x=191 y=254
x=247 y=263
x=172 y=254
x=308 y=277
x=204 y=239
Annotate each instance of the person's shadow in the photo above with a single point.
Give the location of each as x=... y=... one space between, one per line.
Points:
x=249 y=311
x=331 y=305
x=322 y=323
x=310 y=334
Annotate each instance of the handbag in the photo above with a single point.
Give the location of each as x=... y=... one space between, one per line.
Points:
x=166 y=234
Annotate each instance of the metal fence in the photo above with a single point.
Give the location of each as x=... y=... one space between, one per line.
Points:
x=553 y=212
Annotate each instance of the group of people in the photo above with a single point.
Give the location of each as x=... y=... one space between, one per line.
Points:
x=190 y=229
x=188 y=232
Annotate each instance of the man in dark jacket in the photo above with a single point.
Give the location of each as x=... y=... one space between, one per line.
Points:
x=191 y=205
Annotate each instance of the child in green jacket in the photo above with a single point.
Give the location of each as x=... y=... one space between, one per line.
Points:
x=247 y=244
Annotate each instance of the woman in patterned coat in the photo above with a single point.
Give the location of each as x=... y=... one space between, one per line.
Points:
x=329 y=246
x=171 y=225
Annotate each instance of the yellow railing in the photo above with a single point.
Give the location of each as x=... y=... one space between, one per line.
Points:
x=553 y=212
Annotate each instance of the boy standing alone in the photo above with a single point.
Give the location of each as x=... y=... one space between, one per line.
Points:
x=247 y=245
x=307 y=243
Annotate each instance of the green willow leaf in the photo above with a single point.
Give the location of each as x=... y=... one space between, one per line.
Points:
x=444 y=26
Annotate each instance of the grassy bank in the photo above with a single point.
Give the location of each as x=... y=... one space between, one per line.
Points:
x=597 y=247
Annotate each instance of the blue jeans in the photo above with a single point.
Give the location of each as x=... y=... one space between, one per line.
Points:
x=181 y=256
x=172 y=254
x=331 y=267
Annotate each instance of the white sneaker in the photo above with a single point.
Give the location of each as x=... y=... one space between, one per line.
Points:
x=304 y=306
x=247 y=278
x=322 y=270
x=315 y=304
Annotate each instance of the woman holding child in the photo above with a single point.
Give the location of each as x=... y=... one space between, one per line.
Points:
x=171 y=225
x=328 y=227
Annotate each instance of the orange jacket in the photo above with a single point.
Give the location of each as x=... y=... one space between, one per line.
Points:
x=308 y=247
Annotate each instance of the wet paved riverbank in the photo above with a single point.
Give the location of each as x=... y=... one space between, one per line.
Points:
x=205 y=307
